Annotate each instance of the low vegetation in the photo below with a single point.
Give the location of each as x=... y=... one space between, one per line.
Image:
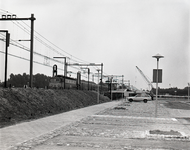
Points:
x=24 y=104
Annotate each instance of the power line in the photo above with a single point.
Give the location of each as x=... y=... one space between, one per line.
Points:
x=54 y=44
x=19 y=57
x=28 y=60
x=27 y=49
x=28 y=31
x=45 y=42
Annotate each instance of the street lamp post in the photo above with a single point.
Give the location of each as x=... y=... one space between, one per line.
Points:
x=157 y=56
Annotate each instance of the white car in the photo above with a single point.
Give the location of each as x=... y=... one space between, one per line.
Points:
x=140 y=97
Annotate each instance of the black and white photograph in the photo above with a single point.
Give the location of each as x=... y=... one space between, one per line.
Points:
x=94 y=74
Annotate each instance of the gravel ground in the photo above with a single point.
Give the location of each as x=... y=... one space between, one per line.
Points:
x=137 y=109
x=126 y=126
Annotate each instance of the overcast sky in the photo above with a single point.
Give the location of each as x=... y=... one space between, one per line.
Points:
x=121 y=34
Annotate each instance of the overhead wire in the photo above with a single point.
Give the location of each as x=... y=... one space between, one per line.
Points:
x=42 y=42
x=27 y=49
x=28 y=60
x=78 y=60
x=81 y=61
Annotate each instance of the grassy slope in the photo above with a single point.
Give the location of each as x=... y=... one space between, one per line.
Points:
x=17 y=105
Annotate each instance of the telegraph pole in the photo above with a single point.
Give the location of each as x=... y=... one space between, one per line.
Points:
x=13 y=17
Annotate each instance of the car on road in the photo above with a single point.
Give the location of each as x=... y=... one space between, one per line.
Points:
x=140 y=97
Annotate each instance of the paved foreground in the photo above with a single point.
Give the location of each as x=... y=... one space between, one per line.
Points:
x=110 y=126
x=17 y=134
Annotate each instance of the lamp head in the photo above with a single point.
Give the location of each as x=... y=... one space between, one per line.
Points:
x=158 y=56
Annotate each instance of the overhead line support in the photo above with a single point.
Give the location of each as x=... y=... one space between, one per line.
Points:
x=13 y=18
x=90 y=64
x=6 y=54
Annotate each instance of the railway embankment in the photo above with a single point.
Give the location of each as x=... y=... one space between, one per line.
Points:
x=25 y=104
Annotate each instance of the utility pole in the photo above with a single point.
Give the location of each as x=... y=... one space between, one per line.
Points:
x=188 y=91
x=110 y=78
x=90 y=64
x=111 y=87
x=31 y=50
x=98 y=87
x=13 y=17
x=88 y=75
x=122 y=86
x=6 y=54
x=101 y=75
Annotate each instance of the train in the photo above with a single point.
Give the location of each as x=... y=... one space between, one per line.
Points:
x=61 y=82
x=64 y=82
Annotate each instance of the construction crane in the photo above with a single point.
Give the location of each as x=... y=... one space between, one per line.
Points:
x=149 y=83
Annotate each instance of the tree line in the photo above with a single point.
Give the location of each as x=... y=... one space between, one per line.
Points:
x=18 y=80
x=172 y=91
x=42 y=81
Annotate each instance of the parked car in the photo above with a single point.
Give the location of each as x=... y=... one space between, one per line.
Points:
x=140 y=97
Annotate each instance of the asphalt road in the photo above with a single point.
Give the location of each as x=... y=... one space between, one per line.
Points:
x=125 y=126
